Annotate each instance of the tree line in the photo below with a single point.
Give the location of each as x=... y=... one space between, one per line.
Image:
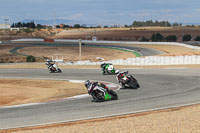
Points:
x=151 y=23
x=20 y=25
x=33 y=25
x=157 y=37
x=134 y=24
x=154 y=23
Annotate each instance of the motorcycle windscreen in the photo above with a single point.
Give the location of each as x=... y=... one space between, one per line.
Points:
x=107 y=96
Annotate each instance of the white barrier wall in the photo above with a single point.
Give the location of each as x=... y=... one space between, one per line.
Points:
x=145 y=61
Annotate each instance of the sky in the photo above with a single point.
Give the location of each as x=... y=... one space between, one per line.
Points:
x=101 y=12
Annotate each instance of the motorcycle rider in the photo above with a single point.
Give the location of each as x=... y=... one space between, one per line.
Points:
x=51 y=64
x=48 y=62
x=103 y=66
x=91 y=86
x=119 y=77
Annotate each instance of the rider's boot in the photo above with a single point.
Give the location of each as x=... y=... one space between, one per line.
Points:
x=123 y=86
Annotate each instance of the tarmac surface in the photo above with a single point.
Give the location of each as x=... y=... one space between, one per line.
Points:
x=160 y=88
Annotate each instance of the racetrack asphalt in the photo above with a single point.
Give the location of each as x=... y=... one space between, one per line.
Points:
x=160 y=88
x=142 y=51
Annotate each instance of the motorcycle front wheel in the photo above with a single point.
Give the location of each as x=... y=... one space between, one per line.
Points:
x=97 y=97
x=113 y=94
x=59 y=70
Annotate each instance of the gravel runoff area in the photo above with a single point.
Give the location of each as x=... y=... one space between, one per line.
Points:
x=23 y=91
x=174 y=120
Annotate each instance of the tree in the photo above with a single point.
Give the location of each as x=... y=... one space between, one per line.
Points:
x=187 y=38
x=66 y=26
x=39 y=26
x=31 y=25
x=77 y=26
x=28 y=25
x=144 y=39
x=30 y=58
x=171 y=38
x=151 y=23
x=197 y=38
x=175 y=24
x=13 y=25
x=57 y=26
x=157 y=37
x=19 y=24
x=126 y=25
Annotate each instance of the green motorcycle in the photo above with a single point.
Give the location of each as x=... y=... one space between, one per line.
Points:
x=101 y=94
x=108 y=68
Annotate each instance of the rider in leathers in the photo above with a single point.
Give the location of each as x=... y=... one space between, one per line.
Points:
x=51 y=64
x=119 y=77
x=92 y=86
x=103 y=66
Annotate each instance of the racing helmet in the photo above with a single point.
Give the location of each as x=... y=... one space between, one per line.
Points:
x=87 y=83
x=116 y=71
x=47 y=62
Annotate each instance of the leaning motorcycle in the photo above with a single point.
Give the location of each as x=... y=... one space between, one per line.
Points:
x=101 y=94
x=108 y=69
x=53 y=68
x=130 y=81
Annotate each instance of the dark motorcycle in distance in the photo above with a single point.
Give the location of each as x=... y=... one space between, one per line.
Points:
x=131 y=82
x=128 y=81
x=108 y=68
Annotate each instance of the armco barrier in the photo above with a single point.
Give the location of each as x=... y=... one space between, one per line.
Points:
x=145 y=61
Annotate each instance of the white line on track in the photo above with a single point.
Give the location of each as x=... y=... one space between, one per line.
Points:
x=21 y=105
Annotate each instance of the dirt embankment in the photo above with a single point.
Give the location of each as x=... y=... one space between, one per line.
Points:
x=175 y=120
x=127 y=34
x=26 y=33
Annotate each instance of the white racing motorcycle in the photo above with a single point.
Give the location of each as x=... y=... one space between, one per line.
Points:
x=53 y=68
